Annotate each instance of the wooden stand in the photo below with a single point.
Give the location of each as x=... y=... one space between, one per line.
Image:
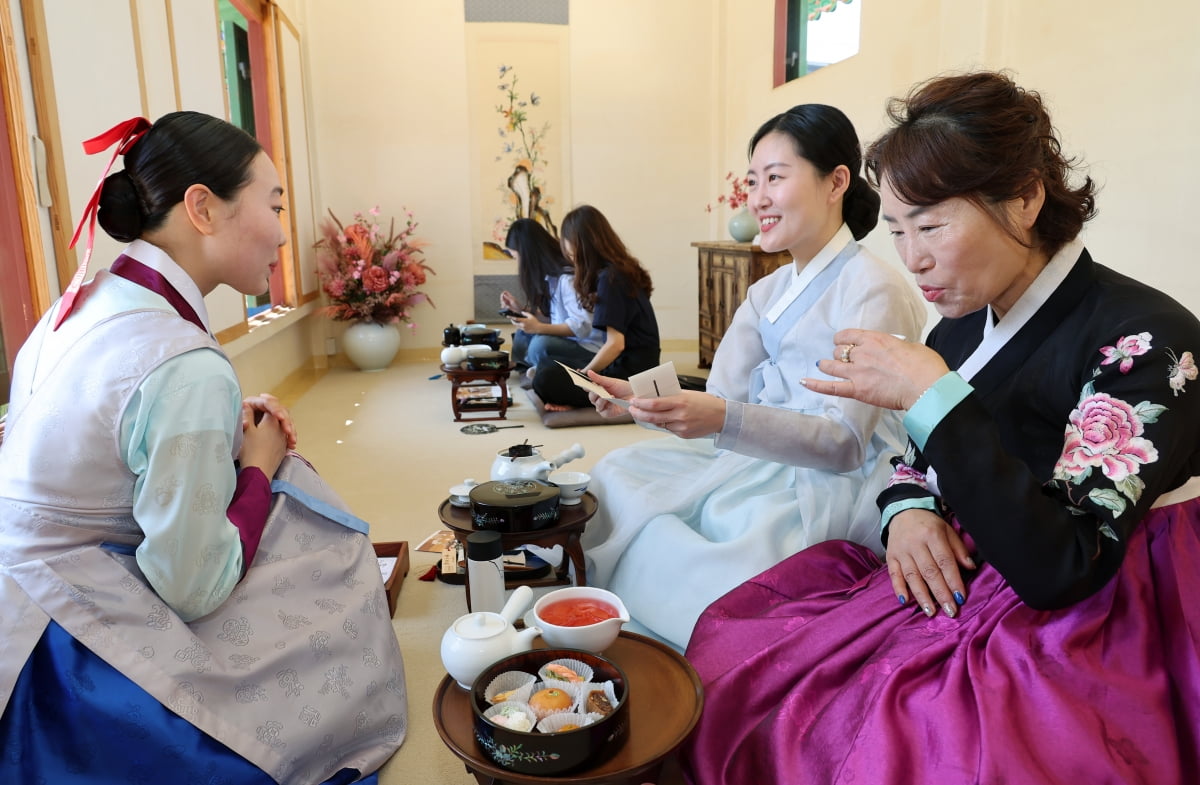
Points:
x=572 y=519
x=459 y=376
x=726 y=271
x=665 y=701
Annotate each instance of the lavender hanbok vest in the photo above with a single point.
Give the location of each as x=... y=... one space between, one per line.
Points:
x=299 y=670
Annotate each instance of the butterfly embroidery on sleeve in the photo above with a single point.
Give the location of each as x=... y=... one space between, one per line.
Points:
x=1181 y=371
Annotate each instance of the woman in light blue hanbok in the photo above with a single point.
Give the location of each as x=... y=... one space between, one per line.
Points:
x=764 y=467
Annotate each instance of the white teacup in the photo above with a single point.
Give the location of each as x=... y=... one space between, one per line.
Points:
x=594 y=637
x=571 y=486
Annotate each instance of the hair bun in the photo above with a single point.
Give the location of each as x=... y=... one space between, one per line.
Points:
x=120 y=213
x=860 y=207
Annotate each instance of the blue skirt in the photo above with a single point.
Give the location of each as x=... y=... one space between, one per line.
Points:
x=74 y=720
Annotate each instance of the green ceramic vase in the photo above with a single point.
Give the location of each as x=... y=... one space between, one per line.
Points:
x=742 y=226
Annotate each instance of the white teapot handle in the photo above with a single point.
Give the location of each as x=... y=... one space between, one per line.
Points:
x=567 y=455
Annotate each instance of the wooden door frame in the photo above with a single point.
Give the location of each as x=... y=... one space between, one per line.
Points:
x=26 y=293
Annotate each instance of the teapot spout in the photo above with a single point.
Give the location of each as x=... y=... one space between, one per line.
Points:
x=524 y=639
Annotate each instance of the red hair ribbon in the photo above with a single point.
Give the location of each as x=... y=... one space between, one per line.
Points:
x=124 y=136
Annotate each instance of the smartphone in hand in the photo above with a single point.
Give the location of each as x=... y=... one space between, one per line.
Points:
x=509 y=313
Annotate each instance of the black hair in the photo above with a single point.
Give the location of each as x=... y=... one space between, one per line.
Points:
x=825 y=137
x=538 y=255
x=180 y=150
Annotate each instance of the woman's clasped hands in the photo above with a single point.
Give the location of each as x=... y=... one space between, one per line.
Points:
x=268 y=432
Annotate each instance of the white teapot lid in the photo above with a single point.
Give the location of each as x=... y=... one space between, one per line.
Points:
x=478 y=625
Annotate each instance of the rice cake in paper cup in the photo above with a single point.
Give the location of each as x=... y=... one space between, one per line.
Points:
x=566 y=721
x=512 y=715
x=562 y=670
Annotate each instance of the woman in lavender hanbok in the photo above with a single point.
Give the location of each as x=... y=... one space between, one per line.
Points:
x=1034 y=620
x=759 y=467
x=181 y=598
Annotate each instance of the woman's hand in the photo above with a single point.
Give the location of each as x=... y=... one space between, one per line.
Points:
x=617 y=388
x=878 y=369
x=924 y=557
x=265 y=403
x=527 y=322
x=509 y=302
x=690 y=414
x=264 y=442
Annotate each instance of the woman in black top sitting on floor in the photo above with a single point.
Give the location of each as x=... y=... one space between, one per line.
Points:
x=614 y=286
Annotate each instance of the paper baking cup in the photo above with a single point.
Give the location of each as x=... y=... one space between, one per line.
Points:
x=519 y=681
x=555 y=722
x=499 y=708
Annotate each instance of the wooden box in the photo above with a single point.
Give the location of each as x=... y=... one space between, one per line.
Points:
x=392 y=585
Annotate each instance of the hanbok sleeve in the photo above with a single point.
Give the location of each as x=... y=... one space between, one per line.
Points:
x=177 y=437
x=1130 y=438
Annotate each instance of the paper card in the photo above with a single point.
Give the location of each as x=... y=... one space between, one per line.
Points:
x=582 y=381
x=657 y=382
x=450 y=559
x=436 y=542
x=387 y=565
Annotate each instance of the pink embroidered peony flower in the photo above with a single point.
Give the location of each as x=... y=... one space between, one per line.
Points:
x=375 y=279
x=907 y=474
x=1104 y=432
x=1126 y=349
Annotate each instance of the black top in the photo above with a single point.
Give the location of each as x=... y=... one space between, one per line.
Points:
x=1074 y=428
x=632 y=316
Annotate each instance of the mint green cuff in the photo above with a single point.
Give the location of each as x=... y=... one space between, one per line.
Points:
x=933 y=405
x=897 y=507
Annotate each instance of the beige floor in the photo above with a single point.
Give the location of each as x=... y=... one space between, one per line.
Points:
x=388 y=443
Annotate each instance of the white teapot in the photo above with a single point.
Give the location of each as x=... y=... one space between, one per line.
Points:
x=476 y=640
x=524 y=462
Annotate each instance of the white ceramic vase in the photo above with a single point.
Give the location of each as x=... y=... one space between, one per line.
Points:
x=371 y=346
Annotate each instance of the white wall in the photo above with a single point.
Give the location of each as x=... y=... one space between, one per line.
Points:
x=662 y=103
x=1122 y=83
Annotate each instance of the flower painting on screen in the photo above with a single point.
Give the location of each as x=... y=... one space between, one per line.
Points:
x=368 y=274
x=522 y=140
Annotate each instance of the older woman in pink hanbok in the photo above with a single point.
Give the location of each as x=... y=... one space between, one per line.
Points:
x=1033 y=620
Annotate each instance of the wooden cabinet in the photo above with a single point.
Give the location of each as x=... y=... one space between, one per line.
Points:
x=726 y=271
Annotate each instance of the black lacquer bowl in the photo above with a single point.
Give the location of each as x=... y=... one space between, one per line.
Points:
x=546 y=754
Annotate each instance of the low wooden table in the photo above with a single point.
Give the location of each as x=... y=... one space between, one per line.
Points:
x=567 y=532
x=665 y=699
x=459 y=376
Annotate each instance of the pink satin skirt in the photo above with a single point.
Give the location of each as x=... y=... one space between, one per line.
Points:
x=814 y=674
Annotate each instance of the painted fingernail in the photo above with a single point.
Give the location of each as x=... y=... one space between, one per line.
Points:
x=959 y=598
x=928 y=610
x=902 y=599
x=949 y=608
